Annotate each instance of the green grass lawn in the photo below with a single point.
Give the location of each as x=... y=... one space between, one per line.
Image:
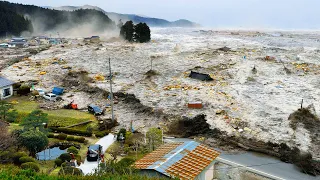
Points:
x=55 y=172
x=93 y=124
x=61 y=117
x=46 y=166
x=133 y=155
x=14 y=126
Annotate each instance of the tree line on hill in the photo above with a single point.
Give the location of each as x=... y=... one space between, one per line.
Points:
x=12 y=22
x=13 y=19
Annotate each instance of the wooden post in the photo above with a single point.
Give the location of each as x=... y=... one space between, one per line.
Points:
x=301 y=103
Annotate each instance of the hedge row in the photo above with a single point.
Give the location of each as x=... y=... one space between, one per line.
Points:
x=66 y=157
x=62 y=136
x=73 y=150
x=101 y=134
x=77 y=139
x=16 y=157
x=71 y=131
x=66 y=137
x=31 y=165
x=26 y=159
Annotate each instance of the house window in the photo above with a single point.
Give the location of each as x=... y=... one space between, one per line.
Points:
x=6 y=92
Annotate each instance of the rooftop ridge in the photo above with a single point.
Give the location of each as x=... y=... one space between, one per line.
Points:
x=180 y=149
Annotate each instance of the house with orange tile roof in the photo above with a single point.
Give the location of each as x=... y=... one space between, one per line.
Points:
x=183 y=160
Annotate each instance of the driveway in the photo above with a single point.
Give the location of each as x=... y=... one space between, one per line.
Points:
x=89 y=167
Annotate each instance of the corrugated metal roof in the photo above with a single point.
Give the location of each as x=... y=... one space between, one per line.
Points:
x=184 y=160
x=5 y=82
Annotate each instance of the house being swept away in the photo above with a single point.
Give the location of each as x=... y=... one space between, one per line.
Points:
x=95 y=39
x=6 y=89
x=18 y=42
x=92 y=39
x=200 y=76
x=183 y=160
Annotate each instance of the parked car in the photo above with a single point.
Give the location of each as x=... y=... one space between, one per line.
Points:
x=40 y=91
x=95 y=110
x=50 y=97
x=94 y=152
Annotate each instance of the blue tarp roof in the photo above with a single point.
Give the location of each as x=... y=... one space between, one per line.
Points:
x=57 y=90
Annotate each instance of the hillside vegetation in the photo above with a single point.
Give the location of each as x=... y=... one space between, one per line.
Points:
x=40 y=20
x=13 y=173
x=136 y=19
x=12 y=22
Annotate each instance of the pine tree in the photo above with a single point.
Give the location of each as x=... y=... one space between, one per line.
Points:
x=142 y=33
x=137 y=33
x=127 y=31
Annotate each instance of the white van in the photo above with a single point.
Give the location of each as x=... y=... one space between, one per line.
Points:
x=50 y=97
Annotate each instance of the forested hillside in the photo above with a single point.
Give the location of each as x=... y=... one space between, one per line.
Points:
x=152 y=22
x=12 y=23
x=43 y=19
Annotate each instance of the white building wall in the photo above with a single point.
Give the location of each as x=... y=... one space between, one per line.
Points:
x=207 y=173
x=2 y=92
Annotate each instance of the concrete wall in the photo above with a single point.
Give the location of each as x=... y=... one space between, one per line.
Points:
x=225 y=171
x=2 y=92
x=207 y=173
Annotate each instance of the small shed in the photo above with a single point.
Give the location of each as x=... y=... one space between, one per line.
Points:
x=200 y=76
x=6 y=89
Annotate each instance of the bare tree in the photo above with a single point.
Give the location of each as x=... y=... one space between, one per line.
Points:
x=7 y=140
x=114 y=150
x=137 y=141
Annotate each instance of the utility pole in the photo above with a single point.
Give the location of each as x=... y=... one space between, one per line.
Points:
x=111 y=94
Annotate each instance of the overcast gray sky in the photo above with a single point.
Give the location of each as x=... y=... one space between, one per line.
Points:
x=285 y=14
